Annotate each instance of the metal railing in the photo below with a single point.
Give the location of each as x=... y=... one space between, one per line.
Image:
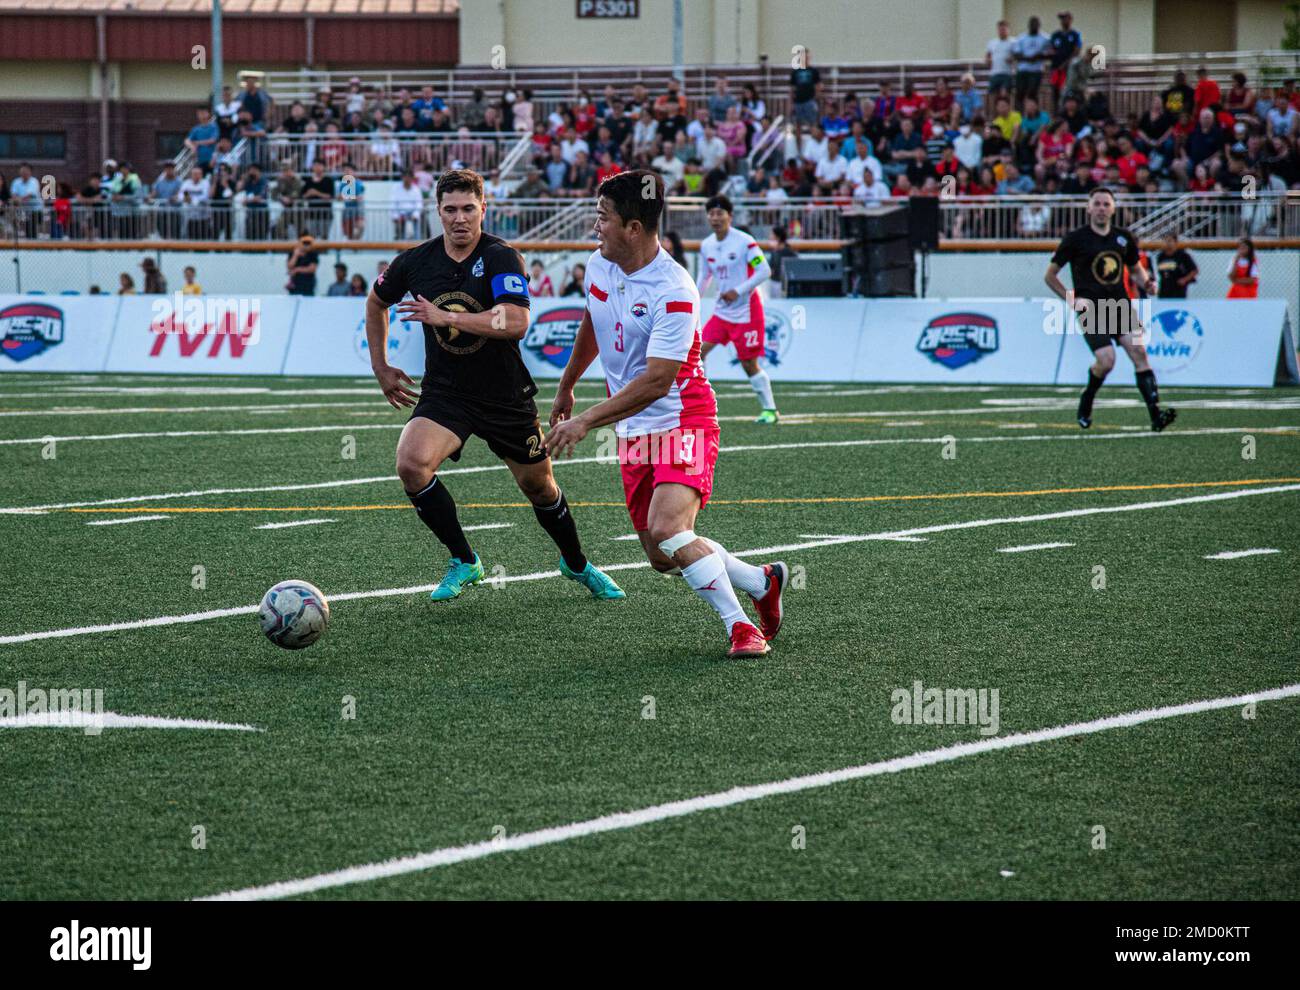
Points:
x=374 y=156
x=1199 y=216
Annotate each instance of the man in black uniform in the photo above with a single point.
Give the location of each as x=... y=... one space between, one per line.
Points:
x=1177 y=269
x=1098 y=255
x=469 y=290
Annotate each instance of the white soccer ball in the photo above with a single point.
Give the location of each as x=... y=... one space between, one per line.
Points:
x=294 y=614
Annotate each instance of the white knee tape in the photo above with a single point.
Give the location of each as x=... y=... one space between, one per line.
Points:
x=674 y=543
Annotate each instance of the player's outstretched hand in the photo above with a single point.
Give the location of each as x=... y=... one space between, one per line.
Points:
x=562 y=407
x=563 y=437
x=396 y=386
x=421 y=310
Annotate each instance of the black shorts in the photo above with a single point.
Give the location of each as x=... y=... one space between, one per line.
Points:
x=512 y=432
x=1122 y=325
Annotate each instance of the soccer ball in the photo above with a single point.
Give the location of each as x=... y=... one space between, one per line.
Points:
x=294 y=614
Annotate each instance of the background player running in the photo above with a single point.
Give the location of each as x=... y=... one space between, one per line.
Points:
x=733 y=259
x=642 y=319
x=1098 y=255
x=469 y=290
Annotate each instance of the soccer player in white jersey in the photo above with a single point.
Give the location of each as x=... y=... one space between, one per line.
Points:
x=642 y=319
x=734 y=260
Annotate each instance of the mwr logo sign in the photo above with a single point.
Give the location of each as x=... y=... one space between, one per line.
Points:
x=402 y=335
x=1174 y=340
x=27 y=329
x=553 y=333
x=958 y=339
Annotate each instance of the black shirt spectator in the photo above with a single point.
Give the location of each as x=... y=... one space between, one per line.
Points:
x=1066 y=43
x=1204 y=142
x=804 y=83
x=1172 y=267
x=303 y=283
x=1179 y=97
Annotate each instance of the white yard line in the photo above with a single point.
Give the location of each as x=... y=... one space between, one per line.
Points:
x=1033 y=546
x=736 y=448
x=169 y=620
x=450 y=855
x=343 y=428
x=470 y=529
x=1234 y=554
x=127 y=519
x=112 y=720
x=296 y=522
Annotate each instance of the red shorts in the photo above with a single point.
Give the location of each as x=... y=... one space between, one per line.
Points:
x=685 y=456
x=749 y=338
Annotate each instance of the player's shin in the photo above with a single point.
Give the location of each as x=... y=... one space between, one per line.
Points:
x=762 y=386
x=437 y=510
x=1146 y=384
x=558 y=522
x=708 y=578
x=746 y=577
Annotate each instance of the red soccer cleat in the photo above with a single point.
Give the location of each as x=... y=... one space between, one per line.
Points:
x=769 y=606
x=746 y=641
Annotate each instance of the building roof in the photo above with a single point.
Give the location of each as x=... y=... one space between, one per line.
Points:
x=236 y=7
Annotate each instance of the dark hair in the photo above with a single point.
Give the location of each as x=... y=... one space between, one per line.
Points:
x=1102 y=189
x=626 y=193
x=780 y=235
x=460 y=180
x=719 y=202
x=1250 y=246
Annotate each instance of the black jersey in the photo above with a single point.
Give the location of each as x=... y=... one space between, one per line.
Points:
x=487 y=369
x=1171 y=268
x=1097 y=262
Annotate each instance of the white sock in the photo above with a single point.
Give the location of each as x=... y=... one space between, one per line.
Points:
x=762 y=386
x=708 y=576
x=746 y=577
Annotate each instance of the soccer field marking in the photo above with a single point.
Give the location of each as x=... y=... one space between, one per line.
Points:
x=818 y=500
x=1033 y=546
x=296 y=522
x=738 y=448
x=894 y=539
x=252 y=431
x=619 y=821
x=112 y=720
x=167 y=620
x=500 y=525
x=629 y=536
x=129 y=519
x=1234 y=554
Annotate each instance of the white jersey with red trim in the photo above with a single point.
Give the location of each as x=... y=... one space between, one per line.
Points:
x=652 y=313
x=735 y=262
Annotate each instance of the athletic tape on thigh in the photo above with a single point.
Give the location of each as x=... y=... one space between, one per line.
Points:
x=674 y=543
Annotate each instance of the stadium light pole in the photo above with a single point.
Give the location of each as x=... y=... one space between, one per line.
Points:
x=216 y=55
x=679 y=70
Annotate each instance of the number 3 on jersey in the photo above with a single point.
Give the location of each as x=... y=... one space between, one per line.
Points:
x=618 y=336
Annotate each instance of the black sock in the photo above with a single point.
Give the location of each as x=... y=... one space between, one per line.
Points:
x=557 y=520
x=435 y=506
x=1146 y=382
x=1094 y=385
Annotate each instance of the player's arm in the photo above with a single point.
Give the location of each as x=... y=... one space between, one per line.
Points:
x=508 y=317
x=1141 y=279
x=387 y=289
x=583 y=353
x=1060 y=258
x=762 y=271
x=706 y=273
x=648 y=387
x=1052 y=278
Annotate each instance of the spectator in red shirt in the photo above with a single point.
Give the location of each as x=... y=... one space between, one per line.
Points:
x=1129 y=160
x=911 y=104
x=942 y=100
x=606 y=168
x=1207 y=91
x=1241 y=98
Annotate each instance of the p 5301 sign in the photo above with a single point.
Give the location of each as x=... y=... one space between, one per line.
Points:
x=609 y=8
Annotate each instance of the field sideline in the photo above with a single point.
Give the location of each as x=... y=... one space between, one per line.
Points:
x=1129 y=597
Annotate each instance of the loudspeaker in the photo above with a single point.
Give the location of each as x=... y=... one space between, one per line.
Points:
x=924 y=227
x=812 y=277
x=888 y=254
x=890 y=282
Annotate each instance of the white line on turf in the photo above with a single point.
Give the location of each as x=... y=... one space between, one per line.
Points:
x=112 y=720
x=895 y=539
x=736 y=448
x=296 y=522
x=209 y=433
x=629 y=536
x=470 y=529
x=1234 y=554
x=127 y=519
x=221 y=613
x=618 y=821
x=1033 y=546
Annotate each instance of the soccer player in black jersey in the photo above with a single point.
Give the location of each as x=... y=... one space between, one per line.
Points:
x=1098 y=255
x=470 y=292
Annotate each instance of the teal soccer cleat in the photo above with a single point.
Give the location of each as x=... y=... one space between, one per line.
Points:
x=459 y=576
x=600 y=584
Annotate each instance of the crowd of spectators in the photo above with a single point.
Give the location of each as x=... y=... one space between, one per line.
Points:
x=1040 y=124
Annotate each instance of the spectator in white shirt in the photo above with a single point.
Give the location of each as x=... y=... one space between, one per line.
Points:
x=669 y=165
x=833 y=167
x=968 y=145
x=571 y=145
x=775 y=193
x=813 y=148
x=407 y=205
x=998 y=58
x=870 y=191
x=858 y=166
x=645 y=135
x=711 y=150
x=695 y=129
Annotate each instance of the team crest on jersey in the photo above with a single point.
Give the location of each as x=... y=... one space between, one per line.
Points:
x=552 y=334
x=1121 y=240
x=27 y=329
x=477 y=270
x=639 y=310
x=452 y=338
x=955 y=340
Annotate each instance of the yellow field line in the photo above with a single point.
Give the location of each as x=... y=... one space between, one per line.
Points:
x=722 y=501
